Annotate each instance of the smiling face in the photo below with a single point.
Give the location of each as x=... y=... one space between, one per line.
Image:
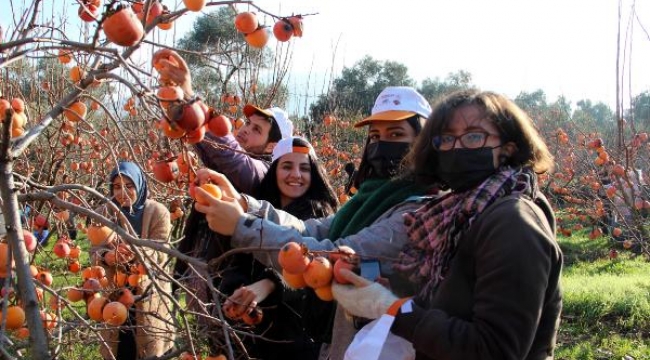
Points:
x=124 y=191
x=293 y=176
x=254 y=135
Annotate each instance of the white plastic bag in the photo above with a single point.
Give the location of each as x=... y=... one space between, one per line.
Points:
x=375 y=342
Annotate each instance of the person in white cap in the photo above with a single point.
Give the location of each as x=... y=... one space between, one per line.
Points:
x=371 y=222
x=242 y=158
x=295 y=321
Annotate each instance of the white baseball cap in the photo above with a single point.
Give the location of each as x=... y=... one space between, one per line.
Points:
x=280 y=116
x=294 y=144
x=396 y=103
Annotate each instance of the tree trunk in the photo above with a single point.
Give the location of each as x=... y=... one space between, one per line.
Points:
x=10 y=211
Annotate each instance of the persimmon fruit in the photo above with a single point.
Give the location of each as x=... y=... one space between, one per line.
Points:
x=18 y=104
x=283 y=30
x=295 y=281
x=212 y=189
x=88 y=13
x=61 y=249
x=49 y=320
x=115 y=313
x=194 y=5
x=120 y=278
x=258 y=38
x=92 y=285
x=166 y=170
x=76 y=111
x=324 y=293
x=96 y=308
x=189 y=116
x=100 y=235
x=296 y=24
x=293 y=258
x=318 y=273
x=220 y=125
x=134 y=280
x=171 y=131
x=22 y=333
x=45 y=277
x=123 y=27
x=246 y=22
x=125 y=296
x=15 y=317
x=74 y=266
x=64 y=56
x=30 y=240
x=76 y=74
x=195 y=136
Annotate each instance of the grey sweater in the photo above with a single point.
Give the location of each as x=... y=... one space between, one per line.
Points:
x=267 y=227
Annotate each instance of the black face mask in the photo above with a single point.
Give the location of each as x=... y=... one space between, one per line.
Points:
x=384 y=157
x=461 y=169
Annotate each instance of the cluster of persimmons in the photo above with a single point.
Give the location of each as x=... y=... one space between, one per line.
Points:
x=304 y=268
x=586 y=187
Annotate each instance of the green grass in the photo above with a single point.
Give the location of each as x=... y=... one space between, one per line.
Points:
x=79 y=343
x=606 y=312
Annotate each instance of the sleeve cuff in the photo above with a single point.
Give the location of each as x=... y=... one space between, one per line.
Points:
x=253 y=205
x=406 y=323
x=396 y=306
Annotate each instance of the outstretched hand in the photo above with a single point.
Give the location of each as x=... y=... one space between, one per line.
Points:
x=363 y=298
x=204 y=176
x=173 y=67
x=246 y=298
x=222 y=214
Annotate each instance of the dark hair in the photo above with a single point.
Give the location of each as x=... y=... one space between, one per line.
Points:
x=320 y=199
x=365 y=169
x=275 y=134
x=513 y=123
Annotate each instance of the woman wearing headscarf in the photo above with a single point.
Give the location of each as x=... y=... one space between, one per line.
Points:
x=147 y=331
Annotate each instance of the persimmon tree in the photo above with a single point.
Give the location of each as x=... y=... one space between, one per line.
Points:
x=80 y=94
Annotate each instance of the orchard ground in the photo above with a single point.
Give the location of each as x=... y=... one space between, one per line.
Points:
x=606 y=301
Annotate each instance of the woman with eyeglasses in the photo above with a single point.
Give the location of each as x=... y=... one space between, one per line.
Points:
x=484 y=258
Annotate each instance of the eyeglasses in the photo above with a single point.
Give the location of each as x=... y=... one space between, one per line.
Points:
x=470 y=140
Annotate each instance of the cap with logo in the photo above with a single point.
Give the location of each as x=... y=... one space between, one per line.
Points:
x=281 y=118
x=294 y=144
x=397 y=103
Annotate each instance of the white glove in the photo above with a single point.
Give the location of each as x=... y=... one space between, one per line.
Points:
x=363 y=298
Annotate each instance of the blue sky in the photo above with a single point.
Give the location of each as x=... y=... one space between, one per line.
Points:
x=560 y=46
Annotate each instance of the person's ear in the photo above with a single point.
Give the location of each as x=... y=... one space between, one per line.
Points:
x=269 y=147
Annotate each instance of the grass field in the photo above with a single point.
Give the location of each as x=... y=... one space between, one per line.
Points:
x=606 y=311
